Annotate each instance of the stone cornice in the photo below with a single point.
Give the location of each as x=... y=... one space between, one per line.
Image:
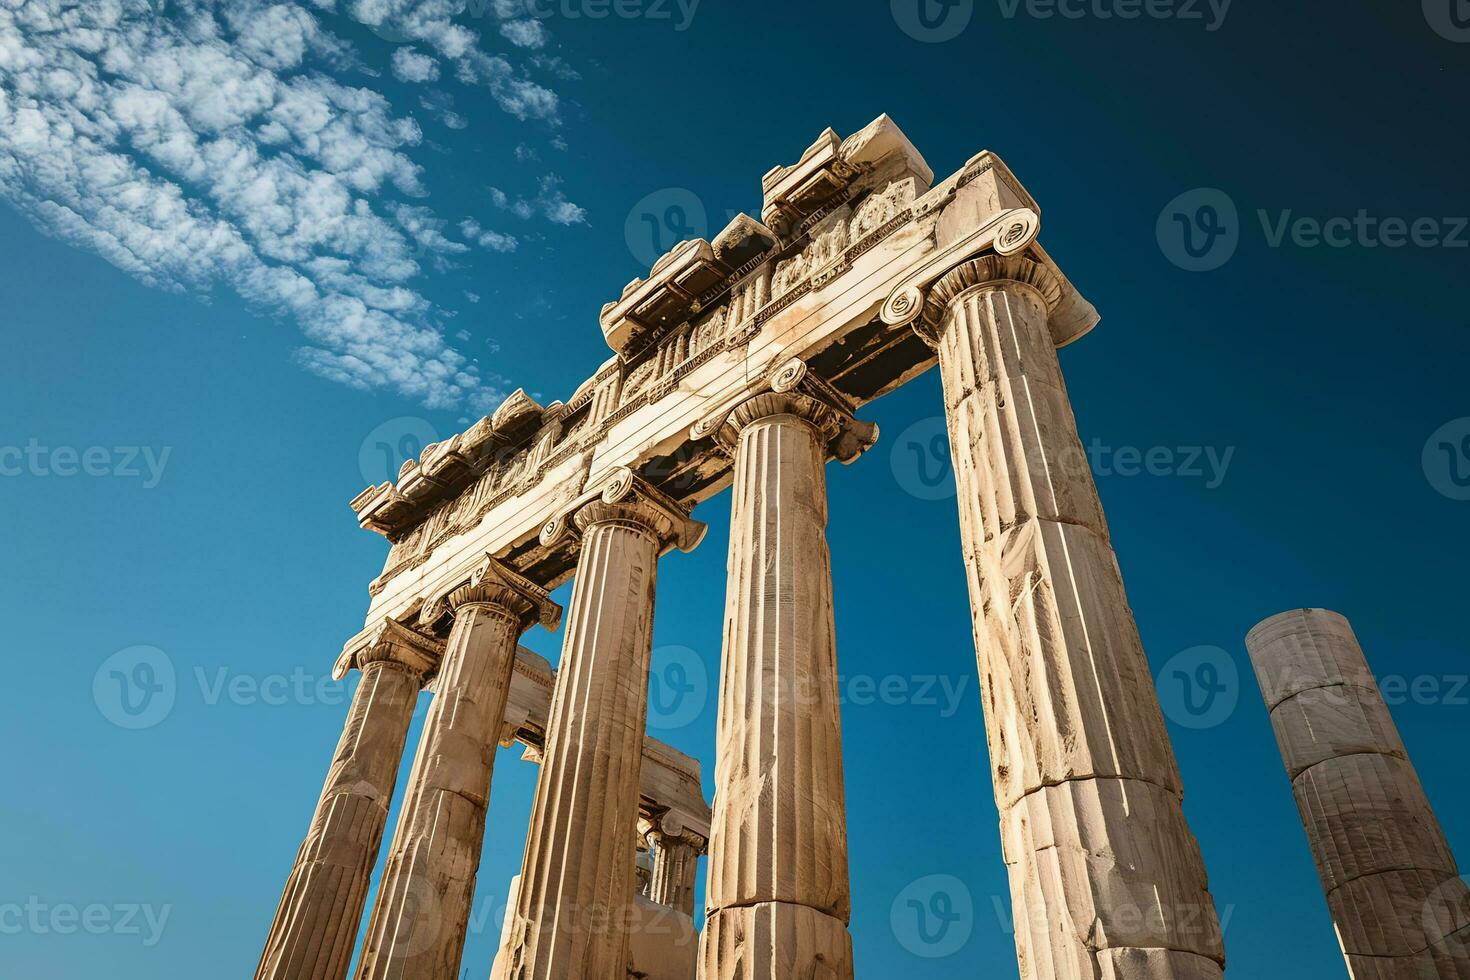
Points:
x=623 y=496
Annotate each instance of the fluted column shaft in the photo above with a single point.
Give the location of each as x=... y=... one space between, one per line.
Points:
x=418 y=925
x=777 y=893
x=675 y=868
x=1401 y=910
x=1106 y=878
x=577 y=878
x=315 y=927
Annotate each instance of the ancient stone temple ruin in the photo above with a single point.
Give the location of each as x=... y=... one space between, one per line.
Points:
x=744 y=363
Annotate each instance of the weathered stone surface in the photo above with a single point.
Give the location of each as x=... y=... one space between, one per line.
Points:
x=779 y=835
x=1401 y=910
x=1103 y=866
x=576 y=898
x=422 y=910
x=316 y=925
x=775 y=939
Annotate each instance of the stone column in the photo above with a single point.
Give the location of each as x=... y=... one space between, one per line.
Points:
x=675 y=867
x=1402 y=912
x=417 y=929
x=577 y=877
x=315 y=927
x=777 y=898
x=1106 y=878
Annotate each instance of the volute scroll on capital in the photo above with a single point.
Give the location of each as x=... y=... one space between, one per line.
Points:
x=624 y=497
x=791 y=388
x=497 y=584
x=394 y=644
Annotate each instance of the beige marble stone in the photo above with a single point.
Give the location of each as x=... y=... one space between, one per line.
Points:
x=315 y=927
x=779 y=836
x=576 y=898
x=422 y=910
x=1401 y=910
x=1104 y=871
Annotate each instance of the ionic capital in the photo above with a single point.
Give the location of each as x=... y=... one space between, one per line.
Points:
x=493 y=583
x=393 y=645
x=624 y=498
x=985 y=272
x=793 y=389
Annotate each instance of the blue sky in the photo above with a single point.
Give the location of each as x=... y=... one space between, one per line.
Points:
x=247 y=246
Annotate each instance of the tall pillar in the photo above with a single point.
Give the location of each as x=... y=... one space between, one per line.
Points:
x=577 y=878
x=1401 y=910
x=675 y=867
x=1106 y=878
x=316 y=924
x=777 y=896
x=417 y=929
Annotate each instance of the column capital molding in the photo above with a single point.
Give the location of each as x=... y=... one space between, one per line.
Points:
x=623 y=497
x=985 y=272
x=495 y=583
x=791 y=388
x=393 y=643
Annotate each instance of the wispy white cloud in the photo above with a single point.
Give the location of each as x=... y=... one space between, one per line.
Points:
x=414 y=66
x=208 y=149
x=495 y=241
x=550 y=202
x=524 y=33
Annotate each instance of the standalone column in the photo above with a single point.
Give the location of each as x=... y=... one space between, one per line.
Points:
x=417 y=929
x=777 y=896
x=1106 y=878
x=316 y=924
x=576 y=894
x=1401 y=909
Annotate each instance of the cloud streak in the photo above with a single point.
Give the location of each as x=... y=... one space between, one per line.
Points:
x=211 y=149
